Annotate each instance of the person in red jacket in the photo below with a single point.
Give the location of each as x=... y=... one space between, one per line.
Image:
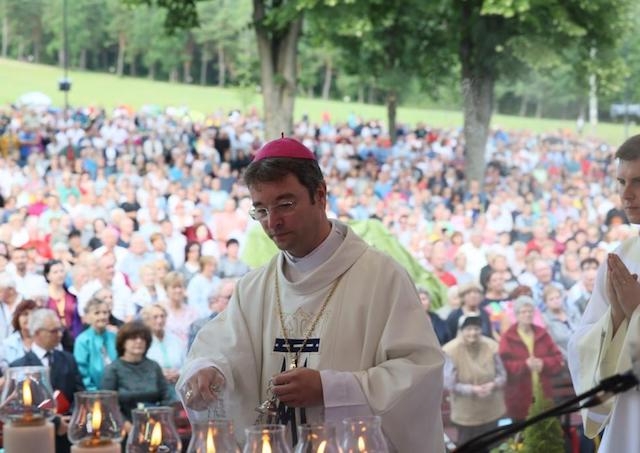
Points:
x=530 y=357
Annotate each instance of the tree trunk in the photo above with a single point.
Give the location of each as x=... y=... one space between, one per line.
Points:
x=133 y=66
x=122 y=46
x=371 y=95
x=222 y=69
x=278 y=53
x=82 y=62
x=477 y=93
x=152 y=71
x=361 y=94
x=186 y=71
x=392 y=109
x=173 y=75
x=206 y=57
x=328 y=77
x=539 y=107
x=5 y=36
x=21 y=50
x=478 y=83
x=523 y=105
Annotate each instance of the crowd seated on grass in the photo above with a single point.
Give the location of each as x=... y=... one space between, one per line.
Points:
x=151 y=208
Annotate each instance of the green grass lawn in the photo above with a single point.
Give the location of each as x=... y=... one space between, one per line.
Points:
x=109 y=90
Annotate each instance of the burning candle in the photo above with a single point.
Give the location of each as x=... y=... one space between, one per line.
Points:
x=211 y=446
x=266 y=444
x=156 y=438
x=92 y=428
x=30 y=432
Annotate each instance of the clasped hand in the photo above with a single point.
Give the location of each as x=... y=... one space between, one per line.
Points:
x=623 y=289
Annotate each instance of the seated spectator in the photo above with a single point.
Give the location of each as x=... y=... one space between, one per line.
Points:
x=471 y=296
x=180 y=315
x=46 y=330
x=191 y=265
x=137 y=379
x=439 y=325
x=19 y=342
x=530 y=357
x=150 y=291
x=231 y=266
x=202 y=284
x=95 y=348
x=106 y=295
x=166 y=348
x=62 y=302
x=559 y=322
x=218 y=301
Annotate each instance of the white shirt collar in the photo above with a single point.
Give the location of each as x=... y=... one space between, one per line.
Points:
x=40 y=352
x=295 y=268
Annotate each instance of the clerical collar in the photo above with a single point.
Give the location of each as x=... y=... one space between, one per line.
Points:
x=297 y=267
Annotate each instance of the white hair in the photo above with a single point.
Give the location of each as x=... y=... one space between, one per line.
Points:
x=38 y=318
x=7 y=280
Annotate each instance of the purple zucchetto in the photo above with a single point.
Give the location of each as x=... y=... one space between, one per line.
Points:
x=284 y=147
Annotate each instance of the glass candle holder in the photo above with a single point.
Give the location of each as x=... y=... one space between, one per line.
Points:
x=153 y=431
x=214 y=436
x=364 y=435
x=317 y=438
x=96 y=423
x=26 y=405
x=266 y=439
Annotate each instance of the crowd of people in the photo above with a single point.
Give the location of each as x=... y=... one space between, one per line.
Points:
x=128 y=229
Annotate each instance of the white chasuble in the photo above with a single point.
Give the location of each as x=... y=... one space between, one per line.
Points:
x=373 y=329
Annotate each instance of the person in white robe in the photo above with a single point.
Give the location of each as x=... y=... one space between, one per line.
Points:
x=607 y=339
x=330 y=327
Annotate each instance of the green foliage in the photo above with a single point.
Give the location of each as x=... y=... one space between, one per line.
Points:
x=546 y=435
x=260 y=249
x=181 y=14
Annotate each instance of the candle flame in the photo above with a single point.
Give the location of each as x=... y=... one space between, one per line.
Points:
x=96 y=416
x=361 y=445
x=266 y=445
x=211 y=447
x=27 y=399
x=156 y=435
x=322 y=446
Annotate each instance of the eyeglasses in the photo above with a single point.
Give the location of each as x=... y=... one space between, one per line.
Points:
x=54 y=331
x=283 y=208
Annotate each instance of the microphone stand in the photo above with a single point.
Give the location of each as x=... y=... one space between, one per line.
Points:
x=607 y=388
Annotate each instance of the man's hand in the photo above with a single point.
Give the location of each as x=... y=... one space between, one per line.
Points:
x=300 y=387
x=623 y=289
x=201 y=391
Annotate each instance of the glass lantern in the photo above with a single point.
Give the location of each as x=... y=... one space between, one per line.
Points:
x=153 y=431
x=317 y=438
x=364 y=435
x=214 y=436
x=96 y=420
x=27 y=403
x=266 y=439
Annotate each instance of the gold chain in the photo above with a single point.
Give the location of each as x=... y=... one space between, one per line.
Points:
x=296 y=356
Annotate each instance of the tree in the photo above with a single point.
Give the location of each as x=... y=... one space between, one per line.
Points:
x=390 y=42
x=498 y=38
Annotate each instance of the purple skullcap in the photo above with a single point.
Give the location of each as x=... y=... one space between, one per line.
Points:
x=284 y=147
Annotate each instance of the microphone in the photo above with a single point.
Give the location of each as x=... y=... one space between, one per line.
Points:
x=618 y=383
